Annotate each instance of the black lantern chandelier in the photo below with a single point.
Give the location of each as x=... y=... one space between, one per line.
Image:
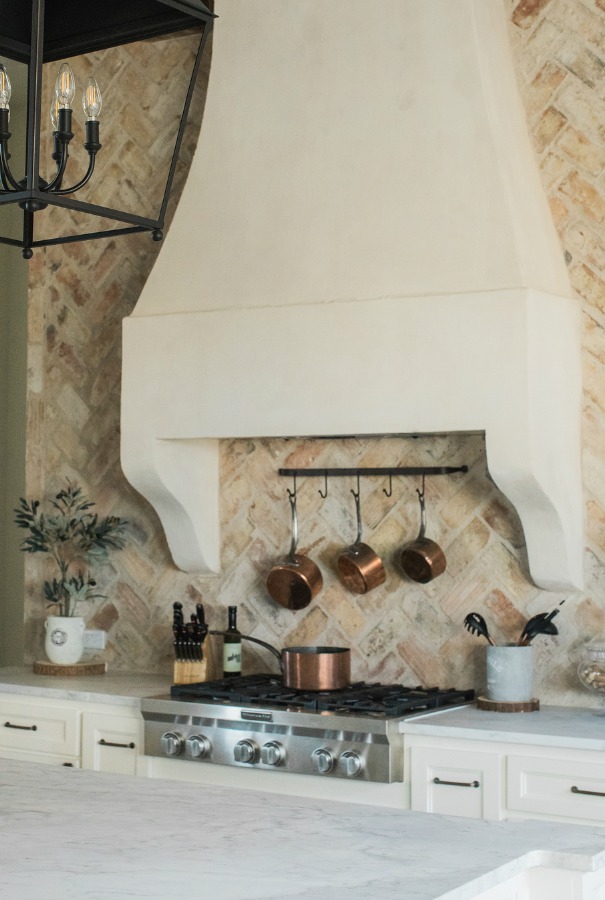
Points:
x=51 y=30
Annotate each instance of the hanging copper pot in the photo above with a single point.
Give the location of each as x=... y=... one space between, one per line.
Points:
x=422 y=560
x=359 y=567
x=295 y=580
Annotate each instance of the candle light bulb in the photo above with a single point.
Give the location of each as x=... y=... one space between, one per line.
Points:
x=5 y=88
x=54 y=113
x=91 y=99
x=65 y=86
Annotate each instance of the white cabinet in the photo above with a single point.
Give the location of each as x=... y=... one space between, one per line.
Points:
x=456 y=782
x=485 y=779
x=561 y=786
x=111 y=741
x=70 y=732
x=38 y=729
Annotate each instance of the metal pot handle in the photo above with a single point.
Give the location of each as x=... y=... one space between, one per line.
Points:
x=357 y=496
x=294 y=541
x=246 y=637
x=422 y=531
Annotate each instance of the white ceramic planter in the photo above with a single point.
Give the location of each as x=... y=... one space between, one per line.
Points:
x=64 y=643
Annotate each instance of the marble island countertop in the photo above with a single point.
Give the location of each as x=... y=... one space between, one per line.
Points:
x=119 y=688
x=69 y=834
x=551 y=726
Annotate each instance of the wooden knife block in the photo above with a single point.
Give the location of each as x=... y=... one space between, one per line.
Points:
x=188 y=672
x=207 y=669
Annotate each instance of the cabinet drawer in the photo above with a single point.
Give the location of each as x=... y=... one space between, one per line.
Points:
x=42 y=728
x=111 y=743
x=556 y=787
x=456 y=783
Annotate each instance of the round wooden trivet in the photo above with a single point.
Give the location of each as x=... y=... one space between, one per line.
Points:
x=503 y=706
x=48 y=668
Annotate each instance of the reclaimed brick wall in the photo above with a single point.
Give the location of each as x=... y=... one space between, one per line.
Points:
x=400 y=631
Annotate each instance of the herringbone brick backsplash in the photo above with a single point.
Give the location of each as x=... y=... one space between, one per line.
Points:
x=402 y=631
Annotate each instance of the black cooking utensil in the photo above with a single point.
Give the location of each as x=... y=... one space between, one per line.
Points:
x=476 y=624
x=528 y=628
x=539 y=624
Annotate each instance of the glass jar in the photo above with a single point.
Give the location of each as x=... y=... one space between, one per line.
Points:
x=591 y=670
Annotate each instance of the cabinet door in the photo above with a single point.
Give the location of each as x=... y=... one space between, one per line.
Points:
x=52 y=759
x=39 y=727
x=111 y=743
x=456 y=783
x=561 y=787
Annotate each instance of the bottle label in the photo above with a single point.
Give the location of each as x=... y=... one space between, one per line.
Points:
x=232 y=657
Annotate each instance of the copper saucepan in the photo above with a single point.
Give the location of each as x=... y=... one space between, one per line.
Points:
x=359 y=567
x=295 y=580
x=422 y=560
x=310 y=668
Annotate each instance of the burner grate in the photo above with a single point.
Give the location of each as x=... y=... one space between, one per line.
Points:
x=359 y=698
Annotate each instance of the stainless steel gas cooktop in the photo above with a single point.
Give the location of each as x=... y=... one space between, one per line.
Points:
x=254 y=721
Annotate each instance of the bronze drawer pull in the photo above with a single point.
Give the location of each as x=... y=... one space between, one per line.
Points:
x=21 y=727
x=473 y=784
x=577 y=790
x=105 y=743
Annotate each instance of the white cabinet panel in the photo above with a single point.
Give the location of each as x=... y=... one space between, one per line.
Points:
x=38 y=726
x=52 y=759
x=455 y=782
x=110 y=742
x=560 y=786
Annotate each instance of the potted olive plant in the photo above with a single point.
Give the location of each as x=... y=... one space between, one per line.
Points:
x=76 y=538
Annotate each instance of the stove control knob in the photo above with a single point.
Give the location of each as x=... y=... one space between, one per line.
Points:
x=350 y=763
x=171 y=744
x=323 y=760
x=197 y=746
x=272 y=754
x=245 y=751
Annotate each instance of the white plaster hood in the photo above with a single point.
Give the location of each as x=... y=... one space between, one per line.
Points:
x=363 y=247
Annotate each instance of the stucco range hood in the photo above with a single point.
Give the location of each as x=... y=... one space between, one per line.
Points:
x=363 y=216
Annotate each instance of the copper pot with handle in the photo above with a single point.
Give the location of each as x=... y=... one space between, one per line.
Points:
x=295 y=580
x=310 y=668
x=423 y=559
x=359 y=567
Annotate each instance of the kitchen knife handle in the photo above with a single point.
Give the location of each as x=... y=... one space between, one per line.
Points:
x=577 y=790
x=104 y=743
x=21 y=727
x=472 y=784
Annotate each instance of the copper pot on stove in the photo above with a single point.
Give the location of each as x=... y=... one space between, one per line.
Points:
x=310 y=668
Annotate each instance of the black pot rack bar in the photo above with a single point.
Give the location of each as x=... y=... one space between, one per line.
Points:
x=424 y=471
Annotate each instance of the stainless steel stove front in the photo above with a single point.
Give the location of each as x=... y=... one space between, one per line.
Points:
x=326 y=744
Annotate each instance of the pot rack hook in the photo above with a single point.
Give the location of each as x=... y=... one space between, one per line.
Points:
x=323 y=494
x=389 y=493
x=292 y=493
x=421 y=492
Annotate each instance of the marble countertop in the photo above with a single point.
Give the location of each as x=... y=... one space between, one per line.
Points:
x=69 y=834
x=551 y=726
x=119 y=688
